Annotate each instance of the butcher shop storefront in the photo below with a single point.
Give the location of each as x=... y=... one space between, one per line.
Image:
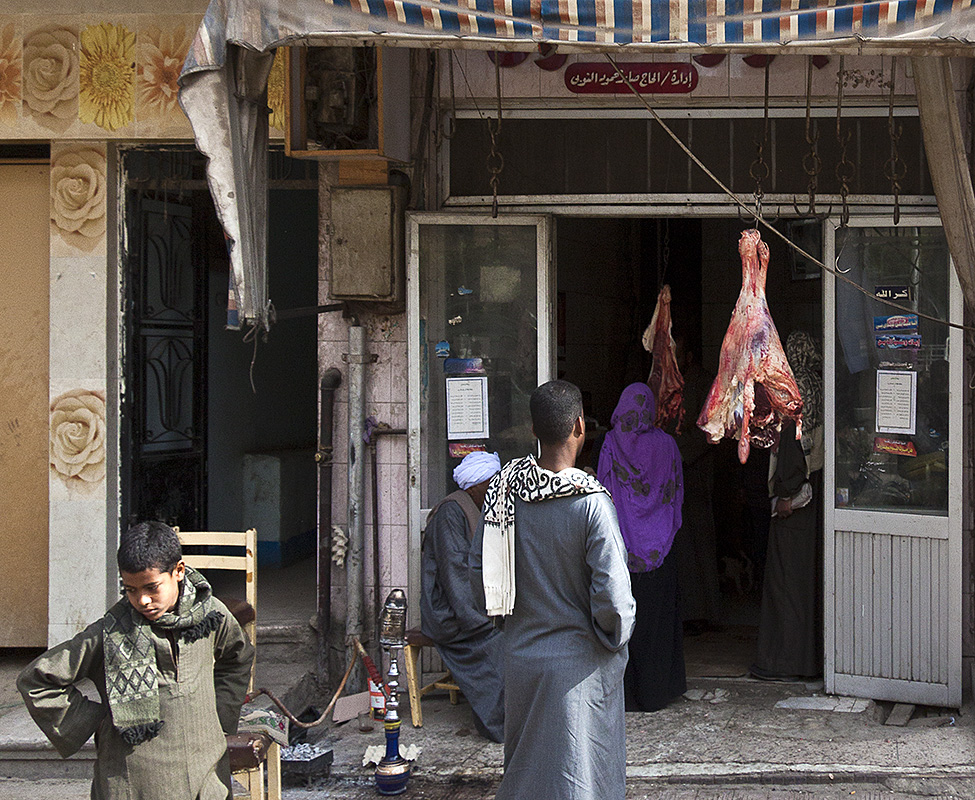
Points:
x=554 y=186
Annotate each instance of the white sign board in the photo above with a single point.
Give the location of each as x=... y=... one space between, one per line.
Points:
x=896 y=401
x=467 y=408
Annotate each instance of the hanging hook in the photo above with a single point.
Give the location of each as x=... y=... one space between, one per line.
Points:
x=845 y=169
x=495 y=161
x=811 y=162
x=894 y=167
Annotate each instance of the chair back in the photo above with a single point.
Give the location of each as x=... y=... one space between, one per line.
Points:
x=244 y=559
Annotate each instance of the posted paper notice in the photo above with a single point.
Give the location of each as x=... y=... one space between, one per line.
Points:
x=467 y=408
x=896 y=401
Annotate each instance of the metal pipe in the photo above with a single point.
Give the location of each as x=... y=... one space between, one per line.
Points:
x=376 y=580
x=357 y=358
x=379 y=430
x=376 y=432
x=330 y=382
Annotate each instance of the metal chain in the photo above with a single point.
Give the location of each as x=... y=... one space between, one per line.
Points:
x=759 y=169
x=894 y=167
x=845 y=169
x=811 y=162
x=495 y=161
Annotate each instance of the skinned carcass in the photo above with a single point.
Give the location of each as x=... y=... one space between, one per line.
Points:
x=666 y=382
x=755 y=390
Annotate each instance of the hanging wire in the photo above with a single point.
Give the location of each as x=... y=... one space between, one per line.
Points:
x=495 y=161
x=845 y=169
x=894 y=167
x=451 y=127
x=741 y=204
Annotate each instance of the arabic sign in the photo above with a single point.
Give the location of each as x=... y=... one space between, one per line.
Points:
x=898 y=341
x=595 y=78
x=899 y=322
x=901 y=293
x=899 y=447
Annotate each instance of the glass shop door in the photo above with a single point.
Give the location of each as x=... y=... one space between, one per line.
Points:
x=481 y=325
x=893 y=525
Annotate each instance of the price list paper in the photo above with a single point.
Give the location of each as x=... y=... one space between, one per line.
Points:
x=467 y=408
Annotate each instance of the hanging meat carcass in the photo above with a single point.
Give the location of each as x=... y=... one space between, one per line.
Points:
x=665 y=380
x=755 y=390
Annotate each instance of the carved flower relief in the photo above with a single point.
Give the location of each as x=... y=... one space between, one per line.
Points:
x=78 y=195
x=77 y=452
x=51 y=77
x=275 y=91
x=11 y=66
x=107 y=76
x=160 y=59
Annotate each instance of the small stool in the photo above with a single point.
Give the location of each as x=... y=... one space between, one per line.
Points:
x=415 y=642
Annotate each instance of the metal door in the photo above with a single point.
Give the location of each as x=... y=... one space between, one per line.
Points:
x=480 y=299
x=165 y=368
x=893 y=465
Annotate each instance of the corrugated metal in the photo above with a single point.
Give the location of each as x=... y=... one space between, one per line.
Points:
x=891 y=607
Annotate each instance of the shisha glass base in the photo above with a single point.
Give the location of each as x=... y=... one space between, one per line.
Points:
x=393 y=771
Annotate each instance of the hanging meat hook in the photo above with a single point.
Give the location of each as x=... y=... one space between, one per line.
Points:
x=760 y=169
x=845 y=169
x=894 y=167
x=495 y=161
x=811 y=162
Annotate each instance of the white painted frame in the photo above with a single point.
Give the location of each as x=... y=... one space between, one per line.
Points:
x=895 y=524
x=545 y=311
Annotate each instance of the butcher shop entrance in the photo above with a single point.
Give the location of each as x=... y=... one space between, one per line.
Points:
x=608 y=275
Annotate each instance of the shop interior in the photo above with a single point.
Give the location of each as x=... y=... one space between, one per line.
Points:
x=222 y=424
x=609 y=271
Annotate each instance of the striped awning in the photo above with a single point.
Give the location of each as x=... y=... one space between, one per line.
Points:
x=673 y=25
x=226 y=72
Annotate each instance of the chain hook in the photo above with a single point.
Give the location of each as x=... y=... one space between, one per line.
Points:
x=845 y=169
x=495 y=161
x=895 y=169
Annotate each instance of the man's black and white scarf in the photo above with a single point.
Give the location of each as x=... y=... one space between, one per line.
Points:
x=130 y=657
x=525 y=479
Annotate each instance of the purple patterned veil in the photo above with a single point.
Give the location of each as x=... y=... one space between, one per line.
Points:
x=641 y=466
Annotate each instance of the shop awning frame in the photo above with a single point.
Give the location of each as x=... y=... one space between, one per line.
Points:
x=224 y=79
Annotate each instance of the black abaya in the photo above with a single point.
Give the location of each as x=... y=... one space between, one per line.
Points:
x=655 y=671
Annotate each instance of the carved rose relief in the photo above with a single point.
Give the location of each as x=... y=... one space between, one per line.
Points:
x=78 y=192
x=77 y=452
x=51 y=77
x=11 y=62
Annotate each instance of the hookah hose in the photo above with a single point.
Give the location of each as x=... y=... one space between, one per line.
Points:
x=371 y=668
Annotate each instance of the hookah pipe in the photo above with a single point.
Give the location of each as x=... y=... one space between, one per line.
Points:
x=393 y=771
x=371 y=668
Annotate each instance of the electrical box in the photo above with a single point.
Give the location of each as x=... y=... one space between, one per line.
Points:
x=368 y=243
x=347 y=102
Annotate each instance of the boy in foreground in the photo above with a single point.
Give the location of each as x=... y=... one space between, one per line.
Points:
x=171 y=666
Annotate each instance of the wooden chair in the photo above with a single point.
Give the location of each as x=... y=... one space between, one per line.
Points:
x=257 y=748
x=415 y=642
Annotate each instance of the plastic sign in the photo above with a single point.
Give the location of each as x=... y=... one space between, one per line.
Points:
x=597 y=78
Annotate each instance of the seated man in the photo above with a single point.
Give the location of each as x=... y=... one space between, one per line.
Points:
x=467 y=641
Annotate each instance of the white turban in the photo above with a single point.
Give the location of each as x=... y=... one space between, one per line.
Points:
x=476 y=468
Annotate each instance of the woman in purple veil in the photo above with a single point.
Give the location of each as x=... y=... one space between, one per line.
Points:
x=641 y=466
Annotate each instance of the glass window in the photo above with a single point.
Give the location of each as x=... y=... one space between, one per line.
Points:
x=891 y=370
x=478 y=308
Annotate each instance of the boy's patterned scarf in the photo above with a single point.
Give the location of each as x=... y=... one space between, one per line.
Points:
x=130 y=658
x=525 y=479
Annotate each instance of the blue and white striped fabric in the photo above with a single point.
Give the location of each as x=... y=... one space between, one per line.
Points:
x=521 y=24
